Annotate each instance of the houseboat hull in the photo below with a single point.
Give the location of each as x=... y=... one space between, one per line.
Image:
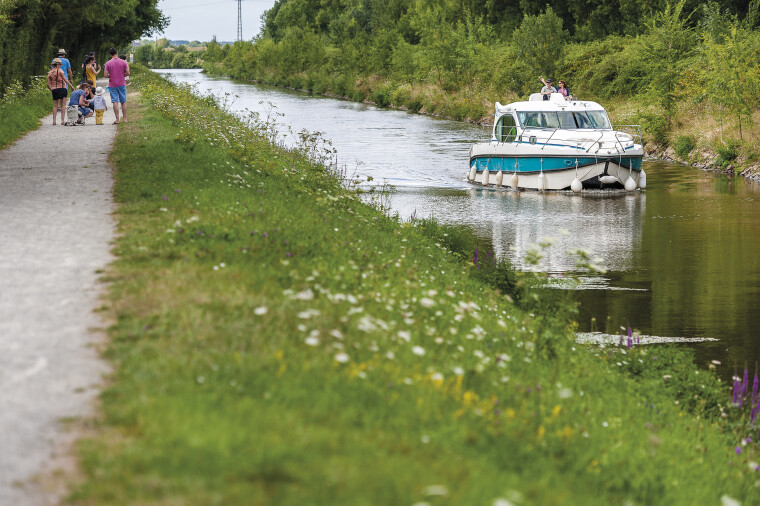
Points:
x=558 y=172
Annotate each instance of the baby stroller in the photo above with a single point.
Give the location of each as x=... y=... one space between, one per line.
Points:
x=73 y=116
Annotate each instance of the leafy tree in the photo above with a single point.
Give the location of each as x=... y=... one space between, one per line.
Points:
x=666 y=50
x=731 y=74
x=540 y=41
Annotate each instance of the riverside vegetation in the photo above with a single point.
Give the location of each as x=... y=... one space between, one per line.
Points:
x=279 y=340
x=687 y=71
x=32 y=31
x=21 y=109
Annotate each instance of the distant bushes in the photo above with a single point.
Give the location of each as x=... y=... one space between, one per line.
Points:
x=443 y=60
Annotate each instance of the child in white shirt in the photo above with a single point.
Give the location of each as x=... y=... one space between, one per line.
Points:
x=100 y=105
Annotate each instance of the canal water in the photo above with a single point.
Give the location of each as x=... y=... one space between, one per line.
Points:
x=682 y=257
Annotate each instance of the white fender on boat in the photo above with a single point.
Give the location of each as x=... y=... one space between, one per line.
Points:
x=630 y=184
x=576 y=185
x=499 y=178
x=485 y=177
x=608 y=179
x=541 y=182
x=513 y=181
x=473 y=171
x=642 y=179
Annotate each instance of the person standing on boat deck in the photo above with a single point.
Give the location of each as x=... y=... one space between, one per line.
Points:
x=548 y=89
x=563 y=90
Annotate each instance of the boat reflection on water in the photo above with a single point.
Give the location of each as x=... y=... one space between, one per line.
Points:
x=606 y=223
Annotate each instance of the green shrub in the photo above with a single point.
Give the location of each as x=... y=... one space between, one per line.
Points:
x=685 y=144
x=656 y=127
x=414 y=103
x=21 y=109
x=381 y=96
x=727 y=152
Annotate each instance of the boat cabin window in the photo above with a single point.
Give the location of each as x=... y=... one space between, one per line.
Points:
x=565 y=119
x=599 y=119
x=505 y=129
x=538 y=119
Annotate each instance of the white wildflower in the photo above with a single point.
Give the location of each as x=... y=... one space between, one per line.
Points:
x=433 y=490
x=304 y=295
x=260 y=310
x=426 y=302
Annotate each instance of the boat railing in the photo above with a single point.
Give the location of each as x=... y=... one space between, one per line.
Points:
x=622 y=134
x=633 y=130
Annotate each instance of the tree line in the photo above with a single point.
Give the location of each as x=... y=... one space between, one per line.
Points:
x=31 y=31
x=164 y=55
x=663 y=54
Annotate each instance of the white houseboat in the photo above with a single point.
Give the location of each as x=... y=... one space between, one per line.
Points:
x=558 y=144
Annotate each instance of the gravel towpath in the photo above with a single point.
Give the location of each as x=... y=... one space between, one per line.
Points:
x=55 y=233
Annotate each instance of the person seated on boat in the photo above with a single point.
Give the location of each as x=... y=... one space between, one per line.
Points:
x=548 y=89
x=563 y=90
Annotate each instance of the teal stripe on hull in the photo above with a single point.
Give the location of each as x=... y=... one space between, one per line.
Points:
x=512 y=164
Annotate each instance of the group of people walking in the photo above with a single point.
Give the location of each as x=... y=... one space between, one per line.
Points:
x=88 y=98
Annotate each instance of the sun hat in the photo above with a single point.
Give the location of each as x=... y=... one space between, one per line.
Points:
x=99 y=90
x=56 y=60
x=61 y=51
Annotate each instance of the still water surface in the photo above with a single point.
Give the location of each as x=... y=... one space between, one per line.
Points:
x=682 y=257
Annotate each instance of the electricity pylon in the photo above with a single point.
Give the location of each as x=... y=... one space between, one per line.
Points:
x=240 y=21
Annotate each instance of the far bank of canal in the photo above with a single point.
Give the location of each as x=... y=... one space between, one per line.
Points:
x=682 y=257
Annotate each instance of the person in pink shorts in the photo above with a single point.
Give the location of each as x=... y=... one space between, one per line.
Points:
x=117 y=70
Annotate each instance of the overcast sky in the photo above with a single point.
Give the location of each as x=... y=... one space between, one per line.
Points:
x=202 y=19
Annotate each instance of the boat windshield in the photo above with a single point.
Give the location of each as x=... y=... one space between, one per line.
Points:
x=564 y=119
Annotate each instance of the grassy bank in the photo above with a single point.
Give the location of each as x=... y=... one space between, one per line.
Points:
x=21 y=110
x=277 y=341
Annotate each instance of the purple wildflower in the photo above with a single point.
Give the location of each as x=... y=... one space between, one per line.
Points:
x=755 y=384
x=176 y=191
x=475 y=258
x=630 y=342
x=164 y=197
x=287 y=254
x=738 y=450
x=264 y=234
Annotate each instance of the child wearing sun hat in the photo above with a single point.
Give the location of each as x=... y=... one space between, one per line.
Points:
x=100 y=105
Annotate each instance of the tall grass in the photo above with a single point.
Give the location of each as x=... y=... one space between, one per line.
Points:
x=278 y=341
x=21 y=109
